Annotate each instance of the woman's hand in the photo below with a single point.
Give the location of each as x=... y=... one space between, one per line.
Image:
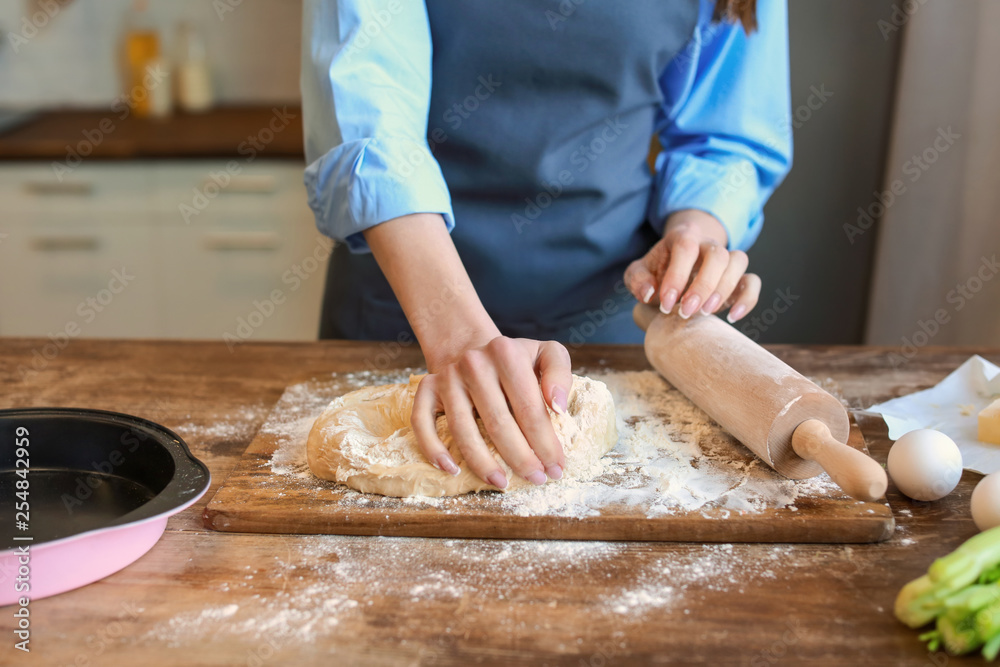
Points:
x=526 y=374
x=691 y=266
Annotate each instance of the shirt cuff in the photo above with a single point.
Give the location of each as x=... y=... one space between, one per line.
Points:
x=362 y=183
x=727 y=189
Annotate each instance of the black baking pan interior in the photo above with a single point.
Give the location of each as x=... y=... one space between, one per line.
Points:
x=91 y=469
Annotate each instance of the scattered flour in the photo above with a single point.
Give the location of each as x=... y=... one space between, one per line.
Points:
x=670 y=458
x=234 y=426
x=325 y=585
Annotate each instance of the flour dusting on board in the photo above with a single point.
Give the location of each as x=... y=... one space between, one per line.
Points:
x=671 y=458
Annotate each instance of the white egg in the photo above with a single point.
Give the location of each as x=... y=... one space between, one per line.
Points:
x=986 y=502
x=925 y=464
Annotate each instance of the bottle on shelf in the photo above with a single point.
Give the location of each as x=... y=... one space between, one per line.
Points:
x=146 y=81
x=194 y=78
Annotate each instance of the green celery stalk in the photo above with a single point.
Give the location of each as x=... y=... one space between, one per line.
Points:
x=957 y=624
x=923 y=599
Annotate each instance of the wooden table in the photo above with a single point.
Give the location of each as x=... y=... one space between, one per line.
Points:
x=201 y=597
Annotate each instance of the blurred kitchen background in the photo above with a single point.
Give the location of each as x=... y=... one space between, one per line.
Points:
x=883 y=233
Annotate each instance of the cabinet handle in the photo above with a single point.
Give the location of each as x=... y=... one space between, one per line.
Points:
x=242 y=185
x=77 y=189
x=229 y=241
x=65 y=243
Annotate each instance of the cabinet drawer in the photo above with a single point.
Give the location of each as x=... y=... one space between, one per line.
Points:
x=215 y=276
x=116 y=191
x=200 y=192
x=96 y=281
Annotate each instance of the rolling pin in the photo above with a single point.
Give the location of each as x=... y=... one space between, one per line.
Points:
x=794 y=426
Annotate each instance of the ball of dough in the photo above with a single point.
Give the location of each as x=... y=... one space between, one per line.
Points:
x=925 y=464
x=364 y=440
x=986 y=502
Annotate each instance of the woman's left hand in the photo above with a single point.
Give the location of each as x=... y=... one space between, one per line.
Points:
x=691 y=266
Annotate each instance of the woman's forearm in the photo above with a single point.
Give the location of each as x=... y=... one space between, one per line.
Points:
x=419 y=260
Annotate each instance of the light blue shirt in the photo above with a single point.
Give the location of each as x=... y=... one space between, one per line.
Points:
x=723 y=119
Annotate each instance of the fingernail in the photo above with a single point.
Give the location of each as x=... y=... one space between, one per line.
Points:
x=559 y=400
x=554 y=472
x=711 y=304
x=689 y=305
x=446 y=463
x=497 y=479
x=649 y=294
x=668 y=301
x=537 y=478
x=738 y=311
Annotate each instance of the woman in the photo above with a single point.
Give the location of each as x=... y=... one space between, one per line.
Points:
x=485 y=165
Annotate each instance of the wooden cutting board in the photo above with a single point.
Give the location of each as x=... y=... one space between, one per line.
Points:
x=271 y=491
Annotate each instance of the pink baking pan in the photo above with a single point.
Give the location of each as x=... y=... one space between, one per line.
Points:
x=100 y=487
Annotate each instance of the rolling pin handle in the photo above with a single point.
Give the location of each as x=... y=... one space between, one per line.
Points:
x=858 y=475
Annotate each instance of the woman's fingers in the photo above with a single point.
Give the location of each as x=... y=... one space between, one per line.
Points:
x=521 y=386
x=465 y=431
x=714 y=260
x=691 y=269
x=479 y=371
x=640 y=280
x=555 y=374
x=744 y=297
x=445 y=392
x=728 y=281
x=427 y=405
x=642 y=275
x=508 y=383
x=683 y=251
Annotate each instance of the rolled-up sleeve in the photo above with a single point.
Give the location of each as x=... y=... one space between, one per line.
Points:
x=366 y=82
x=725 y=125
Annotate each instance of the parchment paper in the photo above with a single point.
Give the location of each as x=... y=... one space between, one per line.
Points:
x=952 y=406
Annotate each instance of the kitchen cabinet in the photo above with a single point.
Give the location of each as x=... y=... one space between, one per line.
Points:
x=176 y=249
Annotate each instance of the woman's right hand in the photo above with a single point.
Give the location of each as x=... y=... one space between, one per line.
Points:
x=507 y=382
